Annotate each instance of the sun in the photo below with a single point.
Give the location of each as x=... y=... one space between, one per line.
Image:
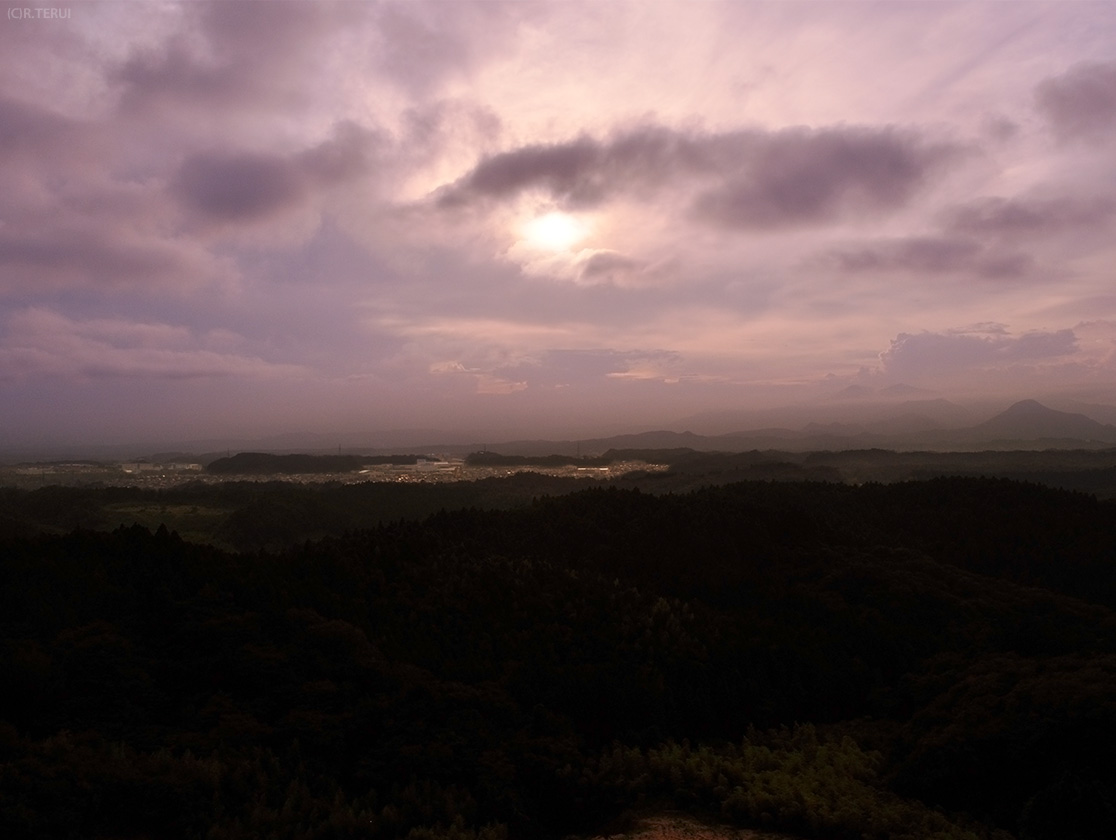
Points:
x=555 y=231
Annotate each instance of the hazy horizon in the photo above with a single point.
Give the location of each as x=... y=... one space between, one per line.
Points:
x=844 y=423
x=541 y=219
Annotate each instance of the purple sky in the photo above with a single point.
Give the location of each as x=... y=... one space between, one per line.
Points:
x=248 y=218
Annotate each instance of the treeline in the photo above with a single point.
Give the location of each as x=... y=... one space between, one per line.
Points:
x=1091 y=471
x=262 y=463
x=690 y=459
x=926 y=660
x=495 y=459
x=261 y=515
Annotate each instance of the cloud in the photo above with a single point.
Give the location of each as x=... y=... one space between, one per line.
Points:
x=174 y=74
x=983 y=327
x=237 y=187
x=421 y=44
x=564 y=367
x=418 y=49
x=228 y=54
x=245 y=186
x=24 y=126
x=584 y=267
x=347 y=154
x=107 y=258
x=930 y=255
x=565 y=170
x=746 y=179
x=233 y=56
x=40 y=342
x=39 y=142
x=931 y=355
x=1022 y=217
x=799 y=177
x=1080 y=103
x=607 y=267
x=484 y=382
x=978 y=238
x=561 y=368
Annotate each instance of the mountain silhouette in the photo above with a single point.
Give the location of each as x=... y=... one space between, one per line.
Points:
x=1031 y=420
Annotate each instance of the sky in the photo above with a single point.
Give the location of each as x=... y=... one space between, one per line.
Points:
x=545 y=218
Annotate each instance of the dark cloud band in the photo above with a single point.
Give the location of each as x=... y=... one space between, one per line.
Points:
x=747 y=179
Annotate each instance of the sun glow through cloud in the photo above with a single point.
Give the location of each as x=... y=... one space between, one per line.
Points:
x=555 y=231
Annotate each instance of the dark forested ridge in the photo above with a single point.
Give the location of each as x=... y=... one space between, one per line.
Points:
x=263 y=463
x=924 y=659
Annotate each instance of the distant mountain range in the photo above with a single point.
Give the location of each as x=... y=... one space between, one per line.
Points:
x=868 y=410
x=1027 y=424
x=891 y=392
x=930 y=424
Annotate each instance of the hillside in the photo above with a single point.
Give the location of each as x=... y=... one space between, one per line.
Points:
x=926 y=660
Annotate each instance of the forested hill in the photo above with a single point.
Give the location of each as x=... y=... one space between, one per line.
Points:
x=924 y=660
